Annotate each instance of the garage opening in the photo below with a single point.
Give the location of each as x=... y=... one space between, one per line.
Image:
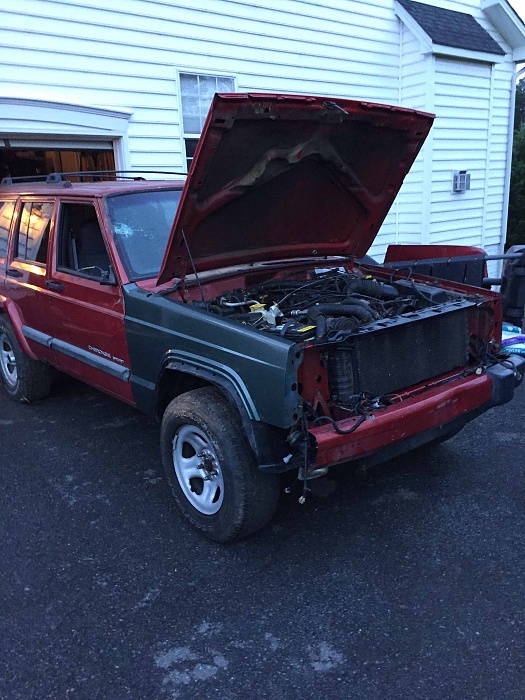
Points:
x=21 y=159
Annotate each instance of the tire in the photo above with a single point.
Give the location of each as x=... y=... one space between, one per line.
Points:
x=24 y=379
x=202 y=436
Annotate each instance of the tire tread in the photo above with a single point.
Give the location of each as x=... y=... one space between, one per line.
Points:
x=259 y=491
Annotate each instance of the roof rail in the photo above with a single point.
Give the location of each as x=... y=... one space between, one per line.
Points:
x=55 y=178
x=24 y=178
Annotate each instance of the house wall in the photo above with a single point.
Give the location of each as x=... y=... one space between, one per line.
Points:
x=127 y=54
x=471 y=101
x=414 y=92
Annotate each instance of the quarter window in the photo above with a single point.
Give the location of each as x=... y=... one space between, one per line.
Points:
x=197 y=92
x=33 y=231
x=6 y=215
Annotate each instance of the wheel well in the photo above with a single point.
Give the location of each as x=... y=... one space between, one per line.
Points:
x=174 y=383
x=268 y=442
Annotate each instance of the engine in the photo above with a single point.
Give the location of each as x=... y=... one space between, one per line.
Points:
x=329 y=307
x=372 y=338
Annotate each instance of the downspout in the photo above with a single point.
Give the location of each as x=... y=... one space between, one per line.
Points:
x=508 y=166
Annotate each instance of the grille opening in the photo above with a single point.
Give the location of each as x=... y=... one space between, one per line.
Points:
x=387 y=360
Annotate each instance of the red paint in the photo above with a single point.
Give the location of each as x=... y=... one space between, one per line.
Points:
x=278 y=176
x=415 y=415
x=404 y=253
x=84 y=313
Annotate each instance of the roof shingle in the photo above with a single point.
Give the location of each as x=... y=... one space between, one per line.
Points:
x=451 y=28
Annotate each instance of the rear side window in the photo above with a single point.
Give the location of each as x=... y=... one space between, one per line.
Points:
x=6 y=215
x=33 y=231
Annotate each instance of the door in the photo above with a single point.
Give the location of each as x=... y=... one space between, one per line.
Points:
x=26 y=267
x=85 y=309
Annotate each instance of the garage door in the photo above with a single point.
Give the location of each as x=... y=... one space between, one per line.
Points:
x=27 y=156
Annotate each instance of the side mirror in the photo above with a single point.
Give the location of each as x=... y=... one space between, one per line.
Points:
x=107 y=278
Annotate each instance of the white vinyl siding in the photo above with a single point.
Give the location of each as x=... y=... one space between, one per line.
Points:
x=129 y=55
x=413 y=93
x=461 y=139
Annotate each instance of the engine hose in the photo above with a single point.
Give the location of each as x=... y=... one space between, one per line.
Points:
x=320 y=327
x=355 y=310
x=372 y=288
x=341 y=324
x=365 y=304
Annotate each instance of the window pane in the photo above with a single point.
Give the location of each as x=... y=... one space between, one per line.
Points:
x=197 y=92
x=6 y=214
x=189 y=88
x=189 y=85
x=33 y=231
x=207 y=89
x=191 y=120
x=81 y=248
x=225 y=85
x=191 y=145
x=141 y=224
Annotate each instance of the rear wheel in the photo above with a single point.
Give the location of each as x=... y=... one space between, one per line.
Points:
x=24 y=379
x=211 y=469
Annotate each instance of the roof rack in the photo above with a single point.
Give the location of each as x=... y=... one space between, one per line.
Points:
x=56 y=178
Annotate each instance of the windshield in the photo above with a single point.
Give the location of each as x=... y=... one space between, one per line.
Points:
x=141 y=224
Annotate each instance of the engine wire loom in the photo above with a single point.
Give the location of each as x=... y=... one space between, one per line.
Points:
x=317 y=308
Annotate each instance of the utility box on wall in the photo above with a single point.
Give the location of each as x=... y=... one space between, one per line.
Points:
x=460 y=181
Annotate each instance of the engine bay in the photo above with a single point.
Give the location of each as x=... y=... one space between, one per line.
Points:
x=330 y=306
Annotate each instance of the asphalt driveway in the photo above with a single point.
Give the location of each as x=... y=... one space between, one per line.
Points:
x=406 y=582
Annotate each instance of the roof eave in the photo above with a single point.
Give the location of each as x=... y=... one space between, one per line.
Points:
x=429 y=47
x=507 y=22
x=452 y=51
x=417 y=30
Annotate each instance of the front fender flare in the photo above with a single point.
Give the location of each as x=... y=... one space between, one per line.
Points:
x=223 y=377
x=268 y=442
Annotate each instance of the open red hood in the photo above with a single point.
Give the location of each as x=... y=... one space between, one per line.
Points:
x=280 y=176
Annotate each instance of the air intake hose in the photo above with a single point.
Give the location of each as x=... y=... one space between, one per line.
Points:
x=353 y=310
x=371 y=288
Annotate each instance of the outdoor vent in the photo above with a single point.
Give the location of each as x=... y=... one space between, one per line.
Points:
x=460 y=181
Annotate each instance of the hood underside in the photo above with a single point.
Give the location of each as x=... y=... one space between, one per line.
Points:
x=278 y=176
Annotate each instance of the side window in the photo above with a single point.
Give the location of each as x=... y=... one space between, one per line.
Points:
x=81 y=248
x=33 y=231
x=6 y=215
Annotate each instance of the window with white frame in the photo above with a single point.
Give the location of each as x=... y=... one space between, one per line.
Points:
x=197 y=92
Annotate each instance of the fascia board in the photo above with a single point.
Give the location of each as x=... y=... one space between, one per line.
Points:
x=481 y=56
x=416 y=29
x=505 y=20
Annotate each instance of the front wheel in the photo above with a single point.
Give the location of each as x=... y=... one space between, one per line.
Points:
x=211 y=470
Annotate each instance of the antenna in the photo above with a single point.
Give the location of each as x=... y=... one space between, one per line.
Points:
x=193 y=264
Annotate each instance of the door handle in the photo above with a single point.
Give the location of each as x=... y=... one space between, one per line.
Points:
x=55 y=286
x=13 y=272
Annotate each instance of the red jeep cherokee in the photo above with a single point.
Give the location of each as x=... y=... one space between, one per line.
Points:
x=234 y=305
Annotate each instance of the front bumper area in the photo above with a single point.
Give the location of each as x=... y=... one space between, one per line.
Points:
x=436 y=413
